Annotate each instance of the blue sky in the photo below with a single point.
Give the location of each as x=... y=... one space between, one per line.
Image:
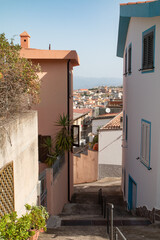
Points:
x=88 y=26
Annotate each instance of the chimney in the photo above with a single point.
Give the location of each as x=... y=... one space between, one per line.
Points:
x=25 y=40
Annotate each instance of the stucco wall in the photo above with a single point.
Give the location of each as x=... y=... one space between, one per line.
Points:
x=53 y=95
x=85 y=167
x=141 y=94
x=110 y=153
x=57 y=190
x=19 y=143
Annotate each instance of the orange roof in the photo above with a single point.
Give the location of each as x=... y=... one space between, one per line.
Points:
x=31 y=53
x=115 y=123
x=24 y=34
x=82 y=110
x=132 y=3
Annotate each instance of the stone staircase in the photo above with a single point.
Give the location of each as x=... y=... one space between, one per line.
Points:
x=84 y=210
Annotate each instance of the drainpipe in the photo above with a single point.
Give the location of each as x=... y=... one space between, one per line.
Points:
x=68 y=113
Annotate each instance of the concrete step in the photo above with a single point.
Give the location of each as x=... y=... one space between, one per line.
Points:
x=83 y=197
x=81 y=209
x=103 y=222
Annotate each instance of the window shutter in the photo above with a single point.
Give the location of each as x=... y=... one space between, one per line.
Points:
x=145 y=142
x=126 y=63
x=126 y=127
x=148 y=51
x=129 y=59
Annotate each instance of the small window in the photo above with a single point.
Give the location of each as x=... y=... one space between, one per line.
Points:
x=70 y=79
x=126 y=137
x=125 y=63
x=129 y=59
x=148 y=49
x=145 y=142
x=123 y=120
x=24 y=40
x=75 y=135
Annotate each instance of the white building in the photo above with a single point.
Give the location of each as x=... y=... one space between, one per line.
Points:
x=139 y=46
x=109 y=148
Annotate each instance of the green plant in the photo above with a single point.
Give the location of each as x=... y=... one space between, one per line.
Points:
x=19 y=82
x=95 y=139
x=63 y=139
x=52 y=152
x=14 y=228
x=38 y=216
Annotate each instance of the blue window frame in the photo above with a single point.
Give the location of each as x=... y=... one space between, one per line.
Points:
x=145 y=143
x=132 y=194
x=148 y=50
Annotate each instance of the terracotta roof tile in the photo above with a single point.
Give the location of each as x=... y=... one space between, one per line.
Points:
x=132 y=3
x=24 y=34
x=82 y=110
x=115 y=123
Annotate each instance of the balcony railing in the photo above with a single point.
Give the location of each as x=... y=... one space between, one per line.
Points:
x=58 y=164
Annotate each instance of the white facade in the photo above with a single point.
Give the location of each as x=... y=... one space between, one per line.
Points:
x=110 y=153
x=141 y=98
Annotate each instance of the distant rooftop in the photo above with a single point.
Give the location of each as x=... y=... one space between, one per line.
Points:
x=115 y=123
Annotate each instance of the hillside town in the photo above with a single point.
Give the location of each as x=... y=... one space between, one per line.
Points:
x=98 y=97
x=80 y=164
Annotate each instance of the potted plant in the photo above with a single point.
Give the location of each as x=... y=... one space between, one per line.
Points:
x=26 y=227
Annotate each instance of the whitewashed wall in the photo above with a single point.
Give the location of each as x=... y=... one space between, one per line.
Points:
x=19 y=143
x=110 y=153
x=141 y=101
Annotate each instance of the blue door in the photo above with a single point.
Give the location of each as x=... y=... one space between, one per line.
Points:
x=132 y=194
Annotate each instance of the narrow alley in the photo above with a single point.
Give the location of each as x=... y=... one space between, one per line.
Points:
x=82 y=218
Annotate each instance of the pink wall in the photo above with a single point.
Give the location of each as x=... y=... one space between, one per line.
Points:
x=53 y=97
x=57 y=190
x=85 y=167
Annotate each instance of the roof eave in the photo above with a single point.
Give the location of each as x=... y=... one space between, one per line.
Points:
x=150 y=9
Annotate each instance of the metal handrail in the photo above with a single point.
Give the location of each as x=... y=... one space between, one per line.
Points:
x=110 y=208
x=119 y=233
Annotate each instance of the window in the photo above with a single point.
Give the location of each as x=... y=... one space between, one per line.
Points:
x=123 y=120
x=75 y=135
x=70 y=79
x=145 y=142
x=126 y=137
x=125 y=63
x=129 y=58
x=148 y=49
